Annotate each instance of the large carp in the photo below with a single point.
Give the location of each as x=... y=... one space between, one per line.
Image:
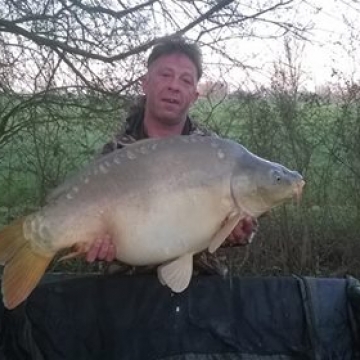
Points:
x=160 y=200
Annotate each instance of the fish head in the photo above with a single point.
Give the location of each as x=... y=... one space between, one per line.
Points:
x=258 y=185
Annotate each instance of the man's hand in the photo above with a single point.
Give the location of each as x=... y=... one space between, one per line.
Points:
x=241 y=235
x=101 y=249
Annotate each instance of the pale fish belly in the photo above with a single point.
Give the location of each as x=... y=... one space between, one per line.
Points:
x=169 y=226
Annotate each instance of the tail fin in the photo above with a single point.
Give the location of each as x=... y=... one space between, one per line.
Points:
x=23 y=267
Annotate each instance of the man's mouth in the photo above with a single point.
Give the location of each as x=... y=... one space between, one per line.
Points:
x=171 y=101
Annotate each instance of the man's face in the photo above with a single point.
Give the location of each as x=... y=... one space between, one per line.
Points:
x=170 y=86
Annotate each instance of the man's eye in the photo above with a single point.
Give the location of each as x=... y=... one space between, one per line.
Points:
x=187 y=81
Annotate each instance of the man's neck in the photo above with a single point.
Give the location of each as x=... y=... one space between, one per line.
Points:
x=156 y=129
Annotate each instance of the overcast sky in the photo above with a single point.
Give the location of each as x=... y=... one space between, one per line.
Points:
x=330 y=47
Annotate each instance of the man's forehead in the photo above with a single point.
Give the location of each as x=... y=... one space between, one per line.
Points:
x=176 y=61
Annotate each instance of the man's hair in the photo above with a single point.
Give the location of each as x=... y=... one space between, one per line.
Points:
x=177 y=45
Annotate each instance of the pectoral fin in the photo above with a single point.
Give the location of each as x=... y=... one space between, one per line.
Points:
x=177 y=274
x=77 y=250
x=224 y=231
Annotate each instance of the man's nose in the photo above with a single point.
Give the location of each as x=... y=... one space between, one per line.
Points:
x=174 y=83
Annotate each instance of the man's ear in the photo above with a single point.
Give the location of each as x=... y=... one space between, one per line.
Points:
x=195 y=97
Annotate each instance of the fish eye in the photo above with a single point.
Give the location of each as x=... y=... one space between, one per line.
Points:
x=276 y=176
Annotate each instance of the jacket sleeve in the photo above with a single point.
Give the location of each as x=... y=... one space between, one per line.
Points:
x=115 y=143
x=108 y=148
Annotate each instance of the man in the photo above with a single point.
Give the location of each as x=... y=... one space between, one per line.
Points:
x=170 y=89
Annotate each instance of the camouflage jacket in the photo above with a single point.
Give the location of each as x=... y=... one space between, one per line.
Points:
x=132 y=130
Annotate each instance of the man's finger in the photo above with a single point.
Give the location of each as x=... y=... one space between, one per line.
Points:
x=104 y=249
x=247 y=229
x=93 y=252
x=239 y=232
x=111 y=253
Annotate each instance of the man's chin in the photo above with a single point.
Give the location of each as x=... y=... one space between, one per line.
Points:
x=170 y=118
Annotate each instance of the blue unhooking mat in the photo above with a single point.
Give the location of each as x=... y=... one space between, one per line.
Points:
x=134 y=318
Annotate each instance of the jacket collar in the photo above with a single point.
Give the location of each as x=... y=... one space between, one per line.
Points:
x=134 y=126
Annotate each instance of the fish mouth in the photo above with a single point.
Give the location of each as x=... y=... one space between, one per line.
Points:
x=298 y=190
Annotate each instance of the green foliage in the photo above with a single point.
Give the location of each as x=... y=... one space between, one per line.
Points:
x=53 y=137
